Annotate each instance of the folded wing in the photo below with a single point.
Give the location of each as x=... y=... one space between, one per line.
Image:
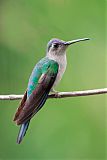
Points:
x=39 y=95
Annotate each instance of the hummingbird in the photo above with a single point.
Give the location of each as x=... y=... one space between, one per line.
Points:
x=46 y=74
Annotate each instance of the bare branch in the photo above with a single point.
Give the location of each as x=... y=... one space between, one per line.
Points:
x=61 y=94
x=10 y=97
x=79 y=93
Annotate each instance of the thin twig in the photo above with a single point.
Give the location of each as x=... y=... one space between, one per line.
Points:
x=60 y=94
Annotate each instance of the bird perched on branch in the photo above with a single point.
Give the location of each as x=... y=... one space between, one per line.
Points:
x=45 y=76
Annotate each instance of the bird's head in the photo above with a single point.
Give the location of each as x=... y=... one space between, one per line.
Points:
x=58 y=47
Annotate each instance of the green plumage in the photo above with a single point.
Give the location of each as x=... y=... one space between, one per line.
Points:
x=40 y=83
x=41 y=68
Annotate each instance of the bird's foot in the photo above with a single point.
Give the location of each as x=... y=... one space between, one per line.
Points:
x=56 y=93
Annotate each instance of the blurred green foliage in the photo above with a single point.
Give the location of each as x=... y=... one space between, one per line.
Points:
x=66 y=129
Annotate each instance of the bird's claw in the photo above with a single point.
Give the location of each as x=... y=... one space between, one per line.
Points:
x=57 y=95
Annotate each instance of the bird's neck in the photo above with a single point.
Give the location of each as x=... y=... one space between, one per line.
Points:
x=58 y=58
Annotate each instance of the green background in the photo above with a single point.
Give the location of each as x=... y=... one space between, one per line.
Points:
x=65 y=129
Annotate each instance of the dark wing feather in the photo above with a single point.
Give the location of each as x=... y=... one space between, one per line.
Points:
x=41 y=103
x=37 y=98
x=21 y=105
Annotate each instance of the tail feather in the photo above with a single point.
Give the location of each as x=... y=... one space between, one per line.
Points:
x=22 y=131
x=24 y=126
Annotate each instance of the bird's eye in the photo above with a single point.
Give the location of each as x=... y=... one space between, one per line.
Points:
x=55 y=45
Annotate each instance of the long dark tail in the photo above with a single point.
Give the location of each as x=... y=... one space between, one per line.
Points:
x=22 y=131
x=24 y=126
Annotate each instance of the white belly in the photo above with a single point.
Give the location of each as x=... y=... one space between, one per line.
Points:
x=62 y=67
x=59 y=75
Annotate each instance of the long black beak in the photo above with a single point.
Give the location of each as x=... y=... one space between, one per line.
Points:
x=77 y=40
